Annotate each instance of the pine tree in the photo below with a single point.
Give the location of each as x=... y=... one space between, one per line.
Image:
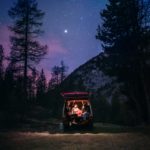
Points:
x=1 y=74
x=58 y=75
x=119 y=34
x=125 y=35
x=32 y=85
x=9 y=85
x=25 y=49
x=1 y=62
x=63 y=70
x=41 y=87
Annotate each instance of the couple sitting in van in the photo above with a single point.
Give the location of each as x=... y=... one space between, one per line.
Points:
x=80 y=113
x=76 y=110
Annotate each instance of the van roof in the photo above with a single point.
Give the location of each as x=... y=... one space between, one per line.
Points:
x=75 y=95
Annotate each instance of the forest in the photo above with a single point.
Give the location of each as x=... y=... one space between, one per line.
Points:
x=124 y=33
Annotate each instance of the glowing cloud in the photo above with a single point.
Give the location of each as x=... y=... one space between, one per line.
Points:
x=4 y=38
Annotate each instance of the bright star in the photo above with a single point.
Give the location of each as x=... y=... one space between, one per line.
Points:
x=65 y=31
x=81 y=18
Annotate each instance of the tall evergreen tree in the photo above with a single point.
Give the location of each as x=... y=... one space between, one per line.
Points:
x=125 y=39
x=1 y=73
x=32 y=85
x=1 y=62
x=41 y=87
x=58 y=75
x=63 y=70
x=119 y=33
x=9 y=84
x=25 y=49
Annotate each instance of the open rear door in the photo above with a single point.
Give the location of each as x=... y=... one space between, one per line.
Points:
x=75 y=95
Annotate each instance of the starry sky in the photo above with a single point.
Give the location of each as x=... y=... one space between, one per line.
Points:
x=69 y=31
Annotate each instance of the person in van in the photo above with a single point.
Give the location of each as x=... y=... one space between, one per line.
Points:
x=85 y=114
x=76 y=110
x=85 y=111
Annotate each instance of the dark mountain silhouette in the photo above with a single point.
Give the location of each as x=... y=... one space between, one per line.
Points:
x=91 y=77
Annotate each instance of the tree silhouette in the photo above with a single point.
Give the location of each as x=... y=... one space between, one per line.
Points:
x=25 y=49
x=32 y=88
x=41 y=87
x=58 y=75
x=9 y=85
x=124 y=34
x=63 y=70
x=1 y=62
x=1 y=73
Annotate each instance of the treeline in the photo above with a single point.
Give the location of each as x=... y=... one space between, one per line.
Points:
x=125 y=37
x=22 y=86
x=40 y=92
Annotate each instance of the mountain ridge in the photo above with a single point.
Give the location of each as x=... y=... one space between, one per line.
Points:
x=90 y=76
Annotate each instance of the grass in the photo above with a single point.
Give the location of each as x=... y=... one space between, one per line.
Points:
x=103 y=137
x=46 y=141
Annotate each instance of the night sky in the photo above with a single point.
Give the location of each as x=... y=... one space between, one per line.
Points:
x=69 y=30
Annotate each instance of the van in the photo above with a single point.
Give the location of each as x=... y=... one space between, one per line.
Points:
x=77 y=110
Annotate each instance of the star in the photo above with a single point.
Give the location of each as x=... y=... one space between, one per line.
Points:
x=81 y=18
x=65 y=31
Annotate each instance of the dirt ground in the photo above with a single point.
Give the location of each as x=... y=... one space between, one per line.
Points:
x=75 y=140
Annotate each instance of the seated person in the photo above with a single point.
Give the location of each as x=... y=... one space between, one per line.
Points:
x=86 y=111
x=76 y=110
x=85 y=114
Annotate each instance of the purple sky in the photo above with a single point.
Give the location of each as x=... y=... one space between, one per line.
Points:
x=69 y=30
